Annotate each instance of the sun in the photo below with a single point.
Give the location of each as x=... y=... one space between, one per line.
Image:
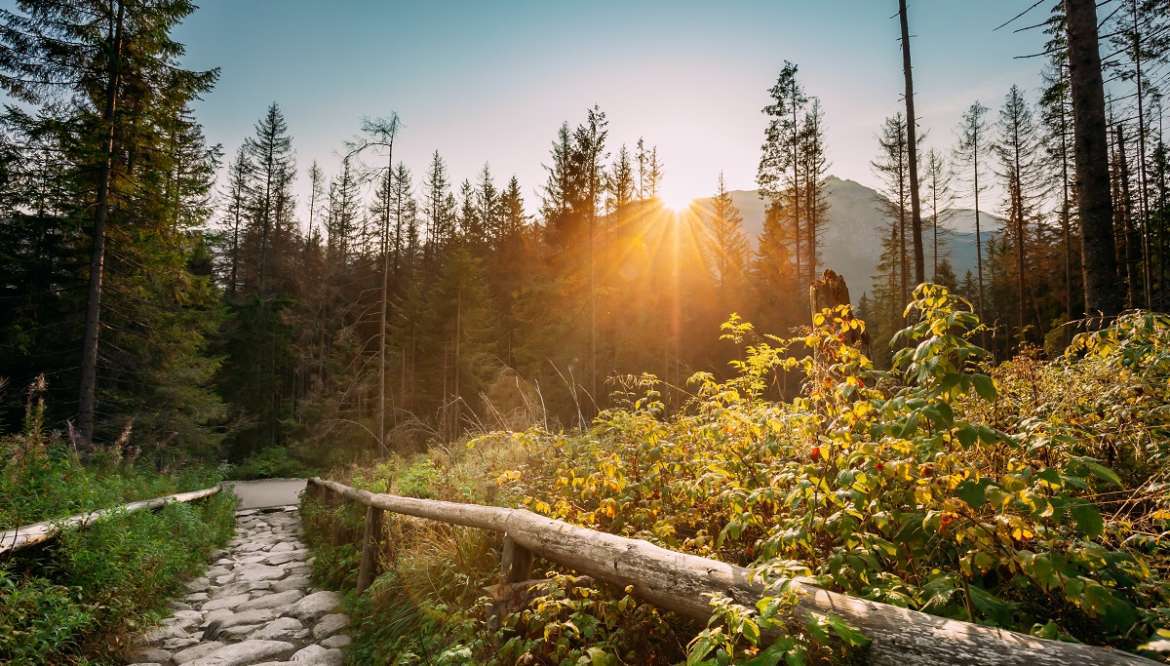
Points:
x=676 y=200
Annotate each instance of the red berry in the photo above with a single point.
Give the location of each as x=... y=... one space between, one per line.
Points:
x=816 y=453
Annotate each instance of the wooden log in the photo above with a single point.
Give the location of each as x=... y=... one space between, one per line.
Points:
x=682 y=583
x=30 y=535
x=371 y=547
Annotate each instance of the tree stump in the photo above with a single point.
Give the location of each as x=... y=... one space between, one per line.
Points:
x=828 y=292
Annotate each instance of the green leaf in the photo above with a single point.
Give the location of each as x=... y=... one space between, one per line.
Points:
x=599 y=657
x=845 y=631
x=984 y=387
x=796 y=656
x=967 y=435
x=700 y=650
x=973 y=492
x=772 y=655
x=990 y=606
x=1088 y=519
x=1100 y=471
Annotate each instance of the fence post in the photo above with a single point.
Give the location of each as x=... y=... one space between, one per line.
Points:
x=515 y=561
x=371 y=545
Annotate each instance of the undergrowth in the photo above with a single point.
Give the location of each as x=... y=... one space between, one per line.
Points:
x=1030 y=495
x=79 y=598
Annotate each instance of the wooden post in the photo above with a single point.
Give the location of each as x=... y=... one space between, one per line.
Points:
x=515 y=561
x=371 y=545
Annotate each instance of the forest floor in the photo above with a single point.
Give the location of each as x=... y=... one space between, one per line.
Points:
x=256 y=603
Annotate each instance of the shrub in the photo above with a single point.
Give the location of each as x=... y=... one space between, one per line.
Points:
x=276 y=462
x=1029 y=495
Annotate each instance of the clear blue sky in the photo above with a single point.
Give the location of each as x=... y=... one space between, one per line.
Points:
x=492 y=81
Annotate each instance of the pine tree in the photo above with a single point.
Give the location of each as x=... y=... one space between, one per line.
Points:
x=938 y=187
x=729 y=247
x=316 y=193
x=778 y=174
x=237 y=198
x=488 y=202
x=971 y=154
x=814 y=169
x=78 y=51
x=655 y=173
x=620 y=182
x=1095 y=206
x=1056 y=117
x=892 y=166
x=1016 y=153
x=270 y=150
x=440 y=210
x=589 y=157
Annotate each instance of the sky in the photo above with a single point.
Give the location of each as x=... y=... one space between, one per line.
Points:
x=492 y=81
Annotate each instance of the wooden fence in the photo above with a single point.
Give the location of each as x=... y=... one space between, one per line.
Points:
x=30 y=535
x=681 y=583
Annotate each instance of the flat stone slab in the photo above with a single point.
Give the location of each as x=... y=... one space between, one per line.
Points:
x=315 y=605
x=273 y=600
x=329 y=625
x=319 y=656
x=196 y=651
x=244 y=653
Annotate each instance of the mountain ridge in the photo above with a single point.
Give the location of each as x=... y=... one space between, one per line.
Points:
x=851 y=238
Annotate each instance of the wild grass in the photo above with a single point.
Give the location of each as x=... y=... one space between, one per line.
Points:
x=79 y=599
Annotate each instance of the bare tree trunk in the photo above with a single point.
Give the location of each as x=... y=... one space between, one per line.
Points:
x=903 y=259
x=1143 y=194
x=978 y=239
x=1092 y=158
x=1018 y=208
x=87 y=401
x=385 y=299
x=1129 y=232
x=912 y=150
x=1065 y=222
x=796 y=182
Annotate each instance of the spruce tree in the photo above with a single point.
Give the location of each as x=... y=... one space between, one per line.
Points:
x=938 y=189
x=971 y=154
x=729 y=248
x=778 y=173
x=1016 y=152
x=116 y=67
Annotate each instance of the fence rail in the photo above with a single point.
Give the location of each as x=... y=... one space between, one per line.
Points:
x=31 y=535
x=680 y=582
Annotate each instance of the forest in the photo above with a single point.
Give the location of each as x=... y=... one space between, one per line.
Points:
x=168 y=304
x=410 y=305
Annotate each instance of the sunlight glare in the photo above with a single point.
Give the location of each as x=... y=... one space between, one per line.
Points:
x=675 y=200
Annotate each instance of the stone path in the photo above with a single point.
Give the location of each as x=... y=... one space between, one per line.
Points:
x=255 y=605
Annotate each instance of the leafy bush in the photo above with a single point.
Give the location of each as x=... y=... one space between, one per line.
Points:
x=275 y=462
x=1030 y=495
